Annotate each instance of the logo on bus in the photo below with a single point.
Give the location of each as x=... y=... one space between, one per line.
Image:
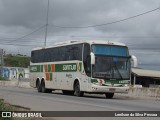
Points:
x=69 y=67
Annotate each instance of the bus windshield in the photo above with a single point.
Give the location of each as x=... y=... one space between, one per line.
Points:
x=111 y=62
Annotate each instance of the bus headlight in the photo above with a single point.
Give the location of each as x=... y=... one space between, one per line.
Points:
x=125 y=85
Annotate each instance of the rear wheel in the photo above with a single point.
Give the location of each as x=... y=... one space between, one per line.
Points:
x=78 y=92
x=39 y=87
x=109 y=95
x=44 y=89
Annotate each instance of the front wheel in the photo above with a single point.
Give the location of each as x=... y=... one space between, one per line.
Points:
x=78 y=92
x=109 y=95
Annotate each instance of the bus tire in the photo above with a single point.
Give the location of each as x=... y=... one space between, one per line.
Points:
x=44 y=90
x=38 y=85
x=78 y=92
x=109 y=95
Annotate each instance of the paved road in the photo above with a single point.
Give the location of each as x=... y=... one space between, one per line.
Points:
x=55 y=101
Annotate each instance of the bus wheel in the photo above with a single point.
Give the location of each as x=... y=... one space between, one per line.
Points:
x=109 y=95
x=43 y=86
x=38 y=85
x=78 y=93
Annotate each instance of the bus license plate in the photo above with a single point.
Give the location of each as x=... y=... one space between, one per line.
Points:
x=112 y=89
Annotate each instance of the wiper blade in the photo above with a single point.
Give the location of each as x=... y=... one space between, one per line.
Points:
x=118 y=71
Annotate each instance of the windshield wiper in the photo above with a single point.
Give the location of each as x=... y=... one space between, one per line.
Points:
x=118 y=71
x=108 y=70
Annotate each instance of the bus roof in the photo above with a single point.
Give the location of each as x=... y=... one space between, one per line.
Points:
x=72 y=42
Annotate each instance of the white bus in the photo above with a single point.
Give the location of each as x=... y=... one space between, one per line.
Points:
x=78 y=67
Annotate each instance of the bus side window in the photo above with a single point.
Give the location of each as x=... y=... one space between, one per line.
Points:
x=32 y=57
x=74 y=52
x=54 y=54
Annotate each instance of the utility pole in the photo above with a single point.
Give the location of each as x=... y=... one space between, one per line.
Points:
x=1 y=55
x=46 y=24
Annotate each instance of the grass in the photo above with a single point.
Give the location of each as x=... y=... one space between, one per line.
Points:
x=5 y=107
x=16 y=61
x=3 y=78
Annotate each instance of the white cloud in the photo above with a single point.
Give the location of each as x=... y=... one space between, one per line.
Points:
x=20 y=17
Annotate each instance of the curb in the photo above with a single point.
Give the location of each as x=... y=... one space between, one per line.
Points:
x=15 y=83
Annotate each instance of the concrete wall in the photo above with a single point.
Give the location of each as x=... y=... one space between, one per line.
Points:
x=15 y=83
x=13 y=73
x=149 y=93
x=145 y=92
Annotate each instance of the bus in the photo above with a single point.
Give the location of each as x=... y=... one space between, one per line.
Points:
x=78 y=67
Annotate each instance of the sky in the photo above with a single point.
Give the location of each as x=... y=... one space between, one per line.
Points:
x=22 y=25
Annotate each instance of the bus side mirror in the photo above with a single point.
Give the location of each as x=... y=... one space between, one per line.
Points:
x=129 y=56
x=92 y=58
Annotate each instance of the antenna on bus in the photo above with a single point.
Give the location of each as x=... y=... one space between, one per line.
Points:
x=46 y=25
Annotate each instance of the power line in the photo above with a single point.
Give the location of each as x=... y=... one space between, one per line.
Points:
x=26 y=41
x=27 y=34
x=90 y=26
x=131 y=46
x=7 y=40
x=109 y=23
x=18 y=44
x=98 y=25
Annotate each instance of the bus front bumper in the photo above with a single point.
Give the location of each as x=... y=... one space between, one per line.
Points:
x=109 y=89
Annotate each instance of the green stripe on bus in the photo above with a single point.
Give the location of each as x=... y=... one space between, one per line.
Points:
x=68 y=67
x=51 y=76
x=41 y=68
x=49 y=68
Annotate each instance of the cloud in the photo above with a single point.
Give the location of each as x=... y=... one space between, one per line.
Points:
x=141 y=34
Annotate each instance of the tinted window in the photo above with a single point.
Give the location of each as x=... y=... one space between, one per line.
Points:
x=64 y=53
x=74 y=52
x=110 y=50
